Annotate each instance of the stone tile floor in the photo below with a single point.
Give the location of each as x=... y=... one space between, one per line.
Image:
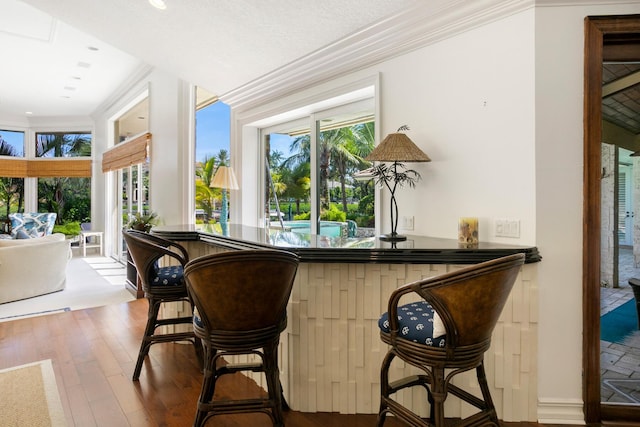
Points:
x=620 y=363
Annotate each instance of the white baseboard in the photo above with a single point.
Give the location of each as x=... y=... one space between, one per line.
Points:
x=561 y=411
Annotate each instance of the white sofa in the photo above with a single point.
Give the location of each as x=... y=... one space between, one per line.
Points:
x=32 y=267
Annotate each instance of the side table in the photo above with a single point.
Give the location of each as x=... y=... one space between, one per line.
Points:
x=90 y=239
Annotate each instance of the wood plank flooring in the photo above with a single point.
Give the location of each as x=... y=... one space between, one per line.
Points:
x=93 y=353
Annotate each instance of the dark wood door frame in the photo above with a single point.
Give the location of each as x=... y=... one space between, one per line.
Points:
x=607 y=38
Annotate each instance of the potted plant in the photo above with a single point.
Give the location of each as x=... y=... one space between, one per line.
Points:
x=142 y=221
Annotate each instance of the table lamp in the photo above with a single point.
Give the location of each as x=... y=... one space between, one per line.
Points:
x=396 y=148
x=224 y=179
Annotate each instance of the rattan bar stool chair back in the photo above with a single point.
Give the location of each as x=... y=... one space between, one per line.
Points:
x=443 y=328
x=241 y=302
x=161 y=284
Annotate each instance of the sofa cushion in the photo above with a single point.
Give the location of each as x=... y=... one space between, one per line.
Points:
x=55 y=237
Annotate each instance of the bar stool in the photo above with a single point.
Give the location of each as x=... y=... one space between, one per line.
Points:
x=444 y=332
x=161 y=285
x=241 y=300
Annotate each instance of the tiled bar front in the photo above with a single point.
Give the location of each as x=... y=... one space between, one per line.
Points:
x=331 y=351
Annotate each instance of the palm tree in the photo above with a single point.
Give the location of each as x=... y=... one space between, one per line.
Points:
x=63 y=145
x=297 y=183
x=223 y=157
x=205 y=195
x=59 y=144
x=11 y=189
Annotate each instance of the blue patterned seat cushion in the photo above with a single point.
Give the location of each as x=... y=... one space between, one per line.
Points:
x=415 y=323
x=168 y=276
x=197 y=319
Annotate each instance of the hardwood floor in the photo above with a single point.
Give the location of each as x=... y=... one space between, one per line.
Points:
x=93 y=353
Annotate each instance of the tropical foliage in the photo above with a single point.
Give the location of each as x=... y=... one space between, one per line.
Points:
x=70 y=198
x=341 y=153
x=11 y=189
x=209 y=199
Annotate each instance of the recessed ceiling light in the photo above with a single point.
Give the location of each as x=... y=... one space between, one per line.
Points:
x=92 y=48
x=84 y=64
x=28 y=112
x=69 y=88
x=158 y=4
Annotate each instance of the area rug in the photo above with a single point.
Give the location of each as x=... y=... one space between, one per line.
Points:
x=30 y=396
x=34 y=314
x=89 y=284
x=617 y=324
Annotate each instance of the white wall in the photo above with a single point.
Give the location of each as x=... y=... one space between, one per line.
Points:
x=469 y=103
x=499 y=111
x=170 y=145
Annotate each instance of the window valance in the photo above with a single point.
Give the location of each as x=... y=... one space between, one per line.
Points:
x=127 y=153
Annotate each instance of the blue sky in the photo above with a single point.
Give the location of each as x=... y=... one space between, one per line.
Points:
x=213 y=132
x=15 y=139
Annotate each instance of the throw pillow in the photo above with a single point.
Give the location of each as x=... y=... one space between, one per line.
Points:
x=34 y=232
x=21 y=234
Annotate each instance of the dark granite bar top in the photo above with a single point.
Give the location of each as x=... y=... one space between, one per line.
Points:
x=313 y=248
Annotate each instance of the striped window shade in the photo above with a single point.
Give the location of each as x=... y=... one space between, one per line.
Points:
x=45 y=168
x=127 y=153
x=11 y=167
x=60 y=166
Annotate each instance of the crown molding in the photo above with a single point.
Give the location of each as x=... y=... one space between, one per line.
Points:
x=399 y=34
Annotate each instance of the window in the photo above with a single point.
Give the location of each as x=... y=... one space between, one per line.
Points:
x=11 y=143
x=311 y=180
x=127 y=164
x=213 y=126
x=11 y=187
x=68 y=197
x=63 y=144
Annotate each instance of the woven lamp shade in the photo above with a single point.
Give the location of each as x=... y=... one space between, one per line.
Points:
x=397 y=147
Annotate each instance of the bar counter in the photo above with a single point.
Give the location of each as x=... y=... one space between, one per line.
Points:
x=312 y=248
x=331 y=352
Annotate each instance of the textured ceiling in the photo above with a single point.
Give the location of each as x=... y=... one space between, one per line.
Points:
x=217 y=44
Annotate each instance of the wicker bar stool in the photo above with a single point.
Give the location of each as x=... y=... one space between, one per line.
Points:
x=444 y=332
x=160 y=285
x=241 y=300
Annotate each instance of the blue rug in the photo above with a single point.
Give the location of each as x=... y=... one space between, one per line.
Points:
x=617 y=324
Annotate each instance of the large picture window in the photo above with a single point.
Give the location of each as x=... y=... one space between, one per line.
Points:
x=68 y=197
x=312 y=184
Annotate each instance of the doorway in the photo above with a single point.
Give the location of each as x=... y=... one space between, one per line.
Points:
x=608 y=39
